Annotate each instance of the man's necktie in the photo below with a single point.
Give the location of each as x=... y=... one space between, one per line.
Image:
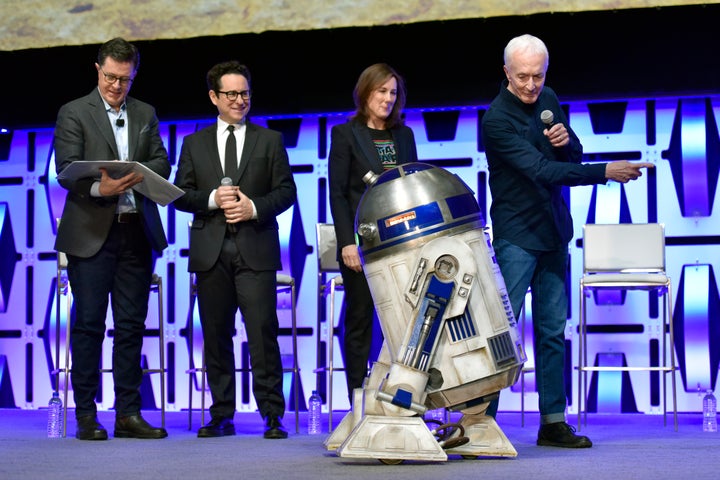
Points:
x=231 y=164
x=231 y=161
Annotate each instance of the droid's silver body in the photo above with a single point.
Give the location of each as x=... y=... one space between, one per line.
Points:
x=450 y=336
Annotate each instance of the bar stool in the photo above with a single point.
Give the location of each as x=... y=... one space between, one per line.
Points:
x=525 y=369
x=626 y=257
x=328 y=265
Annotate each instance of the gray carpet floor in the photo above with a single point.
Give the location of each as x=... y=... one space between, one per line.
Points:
x=625 y=447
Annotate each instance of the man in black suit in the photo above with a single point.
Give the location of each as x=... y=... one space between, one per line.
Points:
x=111 y=235
x=235 y=246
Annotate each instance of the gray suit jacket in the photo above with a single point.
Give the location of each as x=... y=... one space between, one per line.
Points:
x=83 y=132
x=265 y=177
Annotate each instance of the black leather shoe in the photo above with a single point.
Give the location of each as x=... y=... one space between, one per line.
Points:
x=88 y=428
x=135 y=426
x=274 y=428
x=218 y=427
x=561 y=434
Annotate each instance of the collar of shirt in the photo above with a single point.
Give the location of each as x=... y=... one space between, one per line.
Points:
x=222 y=127
x=222 y=134
x=112 y=114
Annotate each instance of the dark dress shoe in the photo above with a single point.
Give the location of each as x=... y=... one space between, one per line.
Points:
x=135 y=426
x=218 y=427
x=274 y=428
x=88 y=428
x=561 y=434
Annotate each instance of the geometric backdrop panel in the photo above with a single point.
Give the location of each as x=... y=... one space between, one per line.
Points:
x=679 y=135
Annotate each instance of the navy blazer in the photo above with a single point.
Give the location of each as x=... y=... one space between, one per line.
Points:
x=83 y=132
x=352 y=155
x=265 y=177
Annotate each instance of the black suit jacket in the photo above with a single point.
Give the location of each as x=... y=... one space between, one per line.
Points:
x=265 y=177
x=352 y=155
x=83 y=132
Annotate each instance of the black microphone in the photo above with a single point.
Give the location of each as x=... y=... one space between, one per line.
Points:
x=547 y=118
x=120 y=122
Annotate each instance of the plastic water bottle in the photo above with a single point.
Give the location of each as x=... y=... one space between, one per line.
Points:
x=314 y=411
x=55 y=416
x=709 y=412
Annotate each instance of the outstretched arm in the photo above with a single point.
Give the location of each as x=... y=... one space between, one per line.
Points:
x=623 y=171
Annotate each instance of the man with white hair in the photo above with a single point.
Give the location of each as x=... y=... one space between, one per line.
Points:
x=532 y=155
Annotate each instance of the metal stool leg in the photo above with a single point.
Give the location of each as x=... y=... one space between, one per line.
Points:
x=295 y=367
x=62 y=368
x=331 y=348
x=158 y=287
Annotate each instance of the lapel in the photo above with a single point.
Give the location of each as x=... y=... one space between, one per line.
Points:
x=100 y=117
x=209 y=144
x=251 y=138
x=362 y=135
x=135 y=123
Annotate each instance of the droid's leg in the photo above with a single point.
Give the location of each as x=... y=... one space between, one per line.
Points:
x=363 y=401
x=390 y=426
x=367 y=431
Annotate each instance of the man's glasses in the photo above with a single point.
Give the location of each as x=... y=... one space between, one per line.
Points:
x=232 y=95
x=110 y=78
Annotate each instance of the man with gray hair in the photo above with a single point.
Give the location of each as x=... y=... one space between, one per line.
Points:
x=532 y=155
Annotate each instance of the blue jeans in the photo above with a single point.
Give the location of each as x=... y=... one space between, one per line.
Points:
x=544 y=273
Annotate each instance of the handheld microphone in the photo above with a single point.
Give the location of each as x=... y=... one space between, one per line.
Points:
x=547 y=118
x=120 y=122
x=227 y=182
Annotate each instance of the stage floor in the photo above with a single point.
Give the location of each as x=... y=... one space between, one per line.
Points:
x=628 y=446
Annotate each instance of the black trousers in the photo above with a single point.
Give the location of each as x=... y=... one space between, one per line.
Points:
x=121 y=272
x=227 y=286
x=357 y=327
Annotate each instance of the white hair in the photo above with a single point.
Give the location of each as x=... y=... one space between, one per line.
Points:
x=526 y=43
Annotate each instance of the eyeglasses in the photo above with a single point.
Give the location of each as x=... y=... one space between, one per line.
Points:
x=110 y=78
x=232 y=95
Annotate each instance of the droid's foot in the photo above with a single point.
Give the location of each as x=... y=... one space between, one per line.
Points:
x=392 y=440
x=486 y=439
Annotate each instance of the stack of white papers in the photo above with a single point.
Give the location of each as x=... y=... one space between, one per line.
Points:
x=153 y=186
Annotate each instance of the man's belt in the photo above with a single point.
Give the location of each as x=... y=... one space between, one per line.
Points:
x=127 y=217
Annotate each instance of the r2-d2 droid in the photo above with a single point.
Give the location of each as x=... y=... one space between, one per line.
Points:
x=450 y=336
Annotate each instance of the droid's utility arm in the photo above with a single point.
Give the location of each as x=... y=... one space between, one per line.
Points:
x=426 y=326
x=425 y=330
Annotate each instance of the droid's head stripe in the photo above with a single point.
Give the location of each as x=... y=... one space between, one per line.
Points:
x=462 y=205
x=415 y=219
x=473 y=222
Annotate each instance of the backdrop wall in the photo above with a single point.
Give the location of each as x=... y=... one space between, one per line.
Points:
x=679 y=134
